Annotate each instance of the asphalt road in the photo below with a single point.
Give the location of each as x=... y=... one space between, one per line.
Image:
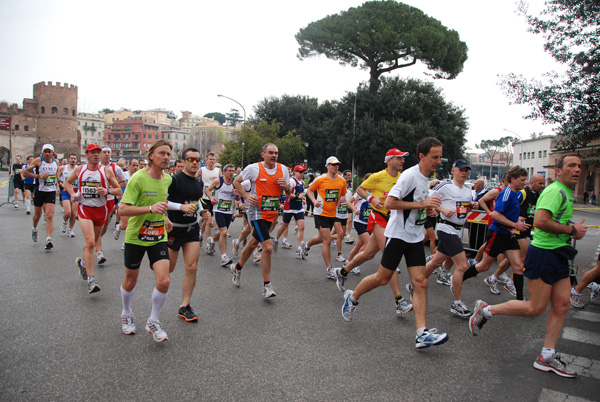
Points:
x=61 y=343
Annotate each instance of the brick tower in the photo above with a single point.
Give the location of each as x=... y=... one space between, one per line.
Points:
x=57 y=117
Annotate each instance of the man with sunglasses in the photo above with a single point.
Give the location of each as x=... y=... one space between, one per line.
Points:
x=331 y=191
x=185 y=192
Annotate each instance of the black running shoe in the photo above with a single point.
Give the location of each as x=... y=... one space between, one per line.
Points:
x=187 y=313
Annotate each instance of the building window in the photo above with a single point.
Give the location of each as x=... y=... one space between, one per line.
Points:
x=545 y=153
x=26 y=128
x=73 y=113
x=16 y=127
x=54 y=110
x=520 y=156
x=533 y=156
x=65 y=111
x=43 y=110
x=540 y=154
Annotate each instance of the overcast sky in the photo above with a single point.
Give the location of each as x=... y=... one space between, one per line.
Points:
x=179 y=55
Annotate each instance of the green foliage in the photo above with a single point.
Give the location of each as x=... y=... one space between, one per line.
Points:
x=233 y=117
x=571 y=100
x=400 y=114
x=381 y=36
x=291 y=146
x=220 y=117
x=106 y=111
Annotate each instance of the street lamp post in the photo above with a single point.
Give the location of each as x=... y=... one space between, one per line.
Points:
x=520 y=140
x=244 y=109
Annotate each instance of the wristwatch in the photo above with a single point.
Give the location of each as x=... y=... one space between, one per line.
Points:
x=573 y=230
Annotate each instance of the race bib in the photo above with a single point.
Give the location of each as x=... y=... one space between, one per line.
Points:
x=269 y=203
x=224 y=205
x=195 y=204
x=531 y=211
x=50 y=181
x=364 y=215
x=152 y=231
x=332 y=195
x=90 y=190
x=342 y=209
x=421 y=216
x=462 y=209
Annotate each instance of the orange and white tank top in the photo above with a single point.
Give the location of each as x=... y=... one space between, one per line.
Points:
x=89 y=181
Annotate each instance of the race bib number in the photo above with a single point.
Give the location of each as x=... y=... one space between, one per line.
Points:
x=193 y=214
x=364 y=215
x=531 y=211
x=152 y=231
x=269 y=203
x=332 y=195
x=17 y=171
x=224 y=205
x=342 y=209
x=50 y=181
x=421 y=216
x=462 y=209
x=90 y=190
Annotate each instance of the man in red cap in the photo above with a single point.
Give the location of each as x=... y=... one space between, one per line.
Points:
x=293 y=208
x=94 y=183
x=375 y=190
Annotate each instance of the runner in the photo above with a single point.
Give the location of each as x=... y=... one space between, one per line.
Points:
x=267 y=178
x=379 y=184
x=15 y=172
x=456 y=203
x=409 y=207
x=91 y=188
x=185 y=192
x=28 y=185
x=208 y=174
x=222 y=197
x=111 y=202
x=547 y=265
x=293 y=209
x=528 y=198
x=69 y=205
x=348 y=177
x=361 y=210
x=505 y=220
x=44 y=196
x=341 y=222
x=133 y=167
x=145 y=202
x=331 y=190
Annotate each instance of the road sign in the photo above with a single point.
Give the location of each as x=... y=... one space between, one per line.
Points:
x=4 y=123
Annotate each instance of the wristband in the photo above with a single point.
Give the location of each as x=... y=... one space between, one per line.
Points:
x=370 y=199
x=173 y=206
x=150 y=208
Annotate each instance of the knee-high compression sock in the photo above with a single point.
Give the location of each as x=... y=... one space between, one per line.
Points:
x=470 y=273
x=158 y=299
x=126 y=299
x=518 y=280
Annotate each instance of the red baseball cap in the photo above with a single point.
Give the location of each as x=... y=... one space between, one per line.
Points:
x=394 y=152
x=92 y=147
x=299 y=168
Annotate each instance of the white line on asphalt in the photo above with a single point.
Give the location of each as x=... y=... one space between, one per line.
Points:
x=580 y=335
x=587 y=316
x=548 y=395
x=582 y=365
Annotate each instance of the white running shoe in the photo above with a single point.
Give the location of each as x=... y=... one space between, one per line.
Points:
x=63 y=227
x=70 y=233
x=225 y=261
x=330 y=274
x=576 y=299
x=286 y=244
x=356 y=271
x=594 y=292
x=236 y=275
x=236 y=247
x=210 y=246
x=303 y=250
x=268 y=291
x=256 y=257
x=127 y=324
x=101 y=258
x=117 y=231
x=340 y=258
x=154 y=327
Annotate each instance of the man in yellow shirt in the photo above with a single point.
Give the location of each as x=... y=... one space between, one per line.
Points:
x=375 y=190
x=331 y=191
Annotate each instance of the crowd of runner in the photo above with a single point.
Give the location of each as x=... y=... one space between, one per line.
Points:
x=163 y=208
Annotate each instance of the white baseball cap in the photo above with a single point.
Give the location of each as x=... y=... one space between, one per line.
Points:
x=47 y=146
x=332 y=159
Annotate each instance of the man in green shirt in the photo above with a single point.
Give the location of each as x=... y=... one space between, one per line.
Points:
x=145 y=201
x=546 y=265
